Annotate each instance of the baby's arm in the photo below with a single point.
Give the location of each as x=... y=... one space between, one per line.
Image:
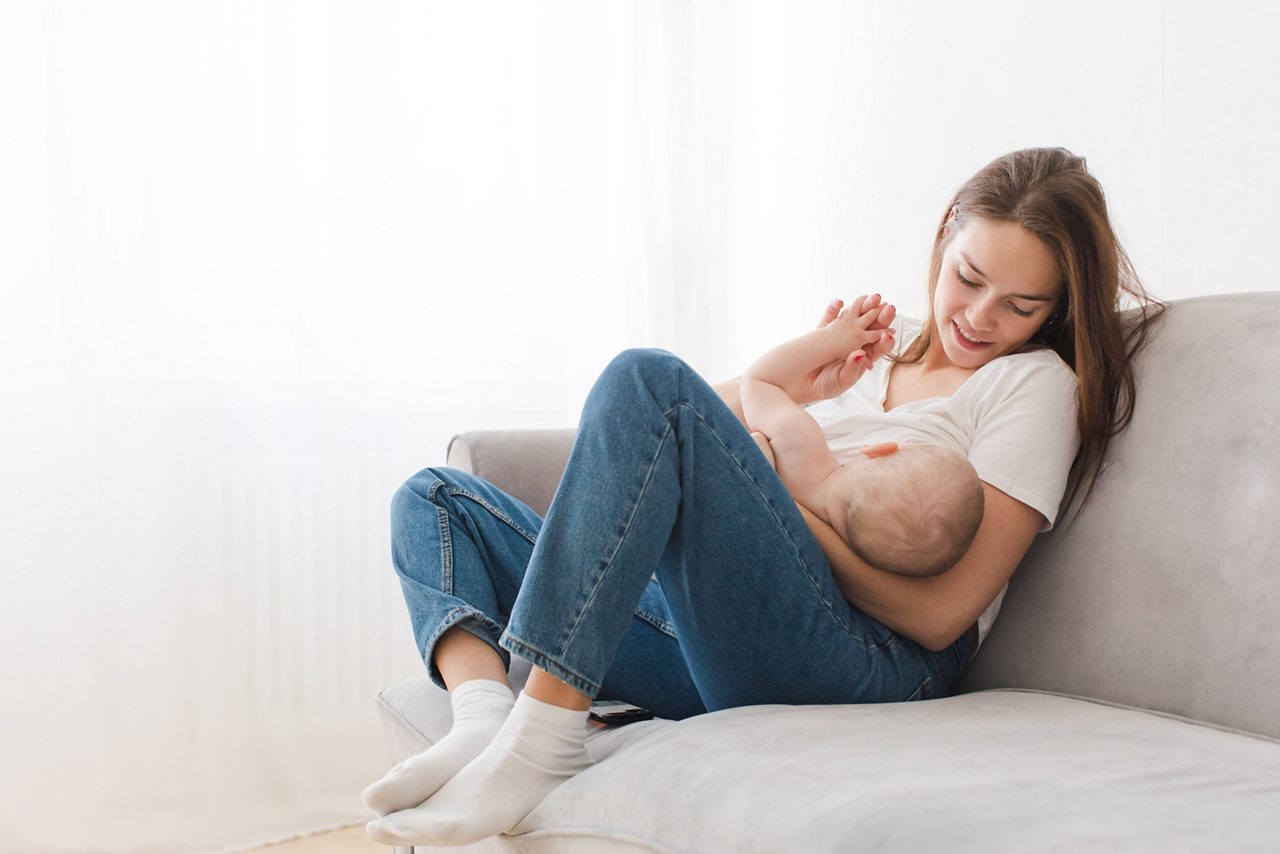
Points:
x=801 y=456
x=841 y=341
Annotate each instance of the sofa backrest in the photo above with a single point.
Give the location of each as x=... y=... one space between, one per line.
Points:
x=1164 y=593
x=525 y=464
x=1161 y=593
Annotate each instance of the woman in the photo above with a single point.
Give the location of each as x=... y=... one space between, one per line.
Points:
x=674 y=571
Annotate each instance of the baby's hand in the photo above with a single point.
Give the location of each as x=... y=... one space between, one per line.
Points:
x=763 y=441
x=866 y=322
x=864 y=325
x=876 y=339
x=883 y=324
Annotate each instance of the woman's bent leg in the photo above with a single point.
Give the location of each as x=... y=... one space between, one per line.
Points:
x=461 y=656
x=662 y=475
x=461 y=545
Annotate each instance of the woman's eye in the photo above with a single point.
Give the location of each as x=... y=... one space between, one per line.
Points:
x=970 y=284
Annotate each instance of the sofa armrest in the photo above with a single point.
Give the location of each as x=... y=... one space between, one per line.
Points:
x=526 y=464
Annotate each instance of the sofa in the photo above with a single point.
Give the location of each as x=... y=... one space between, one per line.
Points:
x=1126 y=699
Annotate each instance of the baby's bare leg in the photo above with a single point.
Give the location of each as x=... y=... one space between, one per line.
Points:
x=763 y=442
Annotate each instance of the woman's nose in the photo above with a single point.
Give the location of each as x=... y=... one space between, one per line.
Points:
x=980 y=316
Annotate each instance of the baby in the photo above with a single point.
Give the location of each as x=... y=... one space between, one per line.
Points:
x=911 y=509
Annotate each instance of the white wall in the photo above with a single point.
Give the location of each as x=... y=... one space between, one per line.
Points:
x=845 y=128
x=259 y=261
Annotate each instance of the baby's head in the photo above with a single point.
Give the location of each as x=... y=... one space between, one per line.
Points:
x=914 y=511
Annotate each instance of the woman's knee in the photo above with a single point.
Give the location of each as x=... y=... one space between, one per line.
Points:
x=439 y=493
x=643 y=367
x=419 y=487
x=424 y=490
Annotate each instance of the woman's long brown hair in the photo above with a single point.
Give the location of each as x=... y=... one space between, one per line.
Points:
x=1050 y=193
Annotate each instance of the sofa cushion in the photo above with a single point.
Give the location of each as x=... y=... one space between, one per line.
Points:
x=1005 y=770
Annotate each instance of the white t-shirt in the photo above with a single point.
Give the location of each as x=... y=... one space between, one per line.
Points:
x=1014 y=418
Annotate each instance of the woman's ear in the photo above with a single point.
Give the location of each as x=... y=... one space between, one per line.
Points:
x=1055 y=315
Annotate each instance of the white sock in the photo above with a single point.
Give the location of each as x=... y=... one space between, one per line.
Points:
x=479 y=708
x=538 y=748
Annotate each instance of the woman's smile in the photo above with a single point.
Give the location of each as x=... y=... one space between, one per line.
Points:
x=967 y=342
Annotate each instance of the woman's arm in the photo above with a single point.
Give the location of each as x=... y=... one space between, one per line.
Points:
x=934 y=611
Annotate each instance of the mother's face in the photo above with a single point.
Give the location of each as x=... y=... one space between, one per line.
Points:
x=997 y=286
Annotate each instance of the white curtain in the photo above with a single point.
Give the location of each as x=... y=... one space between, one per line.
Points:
x=259 y=260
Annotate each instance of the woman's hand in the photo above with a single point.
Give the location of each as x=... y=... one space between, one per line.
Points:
x=835 y=377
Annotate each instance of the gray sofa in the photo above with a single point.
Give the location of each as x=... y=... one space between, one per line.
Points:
x=1127 y=698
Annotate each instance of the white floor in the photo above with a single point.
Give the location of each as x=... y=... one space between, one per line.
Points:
x=348 y=840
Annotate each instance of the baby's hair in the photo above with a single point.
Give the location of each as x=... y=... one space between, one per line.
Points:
x=916 y=511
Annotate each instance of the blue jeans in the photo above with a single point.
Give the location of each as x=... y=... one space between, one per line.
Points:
x=672 y=571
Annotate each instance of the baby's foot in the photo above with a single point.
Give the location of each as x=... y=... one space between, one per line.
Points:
x=539 y=747
x=479 y=708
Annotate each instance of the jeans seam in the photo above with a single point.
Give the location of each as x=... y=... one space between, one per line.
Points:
x=626 y=528
x=466 y=611
x=494 y=511
x=938 y=668
x=781 y=526
x=875 y=646
x=921 y=690
x=538 y=658
x=657 y=622
x=446 y=550
x=446 y=539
